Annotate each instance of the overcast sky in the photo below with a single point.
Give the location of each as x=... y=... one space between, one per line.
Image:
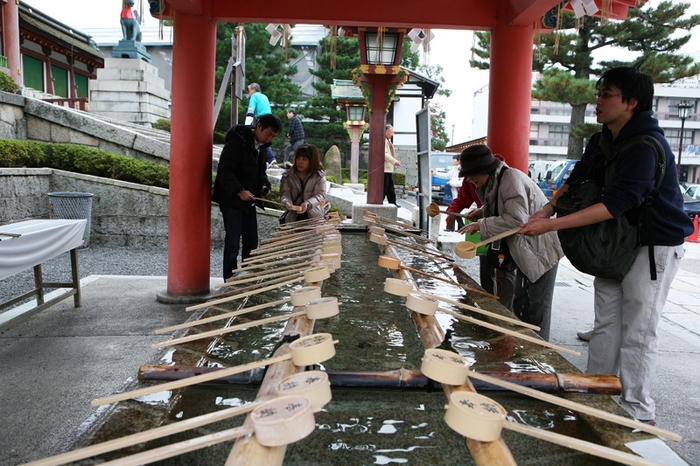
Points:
x=450 y=49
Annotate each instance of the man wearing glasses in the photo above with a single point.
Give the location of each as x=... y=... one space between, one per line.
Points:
x=624 y=340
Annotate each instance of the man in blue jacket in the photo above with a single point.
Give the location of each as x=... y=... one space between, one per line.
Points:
x=241 y=177
x=627 y=311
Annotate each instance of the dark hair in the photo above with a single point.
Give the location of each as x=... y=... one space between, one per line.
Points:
x=270 y=121
x=292 y=111
x=311 y=152
x=633 y=84
x=455 y=156
x=255 y=86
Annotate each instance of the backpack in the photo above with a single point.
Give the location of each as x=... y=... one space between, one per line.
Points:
x=607 y=249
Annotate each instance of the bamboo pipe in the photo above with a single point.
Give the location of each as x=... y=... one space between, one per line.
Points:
x=225 y=330
x=169 y=386
x=275 y=240
x=227 y=315
x=187 y=382
x=242 y=295
x=484 y=453
x=143 y=437
x=581 y=408
x=247 y=451
x=297 y=223
x=537 y=341
x=389 y=263
x=405 y=379
x=379 y=218
x=246 y=287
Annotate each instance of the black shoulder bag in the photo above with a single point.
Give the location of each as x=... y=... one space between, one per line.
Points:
x=498 y=254
x=607 y=249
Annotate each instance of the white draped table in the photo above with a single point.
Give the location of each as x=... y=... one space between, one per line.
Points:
x=29 y=244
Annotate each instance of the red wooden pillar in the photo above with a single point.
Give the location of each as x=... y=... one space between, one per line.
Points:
x=189 y=226
x=379 y=83
x=10 y=39
x=510 y=89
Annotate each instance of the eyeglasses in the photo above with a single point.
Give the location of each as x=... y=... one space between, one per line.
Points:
x=605 y=95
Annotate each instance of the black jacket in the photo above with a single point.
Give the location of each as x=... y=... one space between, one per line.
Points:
x=241 y=167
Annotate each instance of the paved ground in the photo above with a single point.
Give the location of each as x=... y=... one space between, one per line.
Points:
x=59 y=360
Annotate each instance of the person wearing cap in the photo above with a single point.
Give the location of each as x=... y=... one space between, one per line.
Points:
x=515 y=197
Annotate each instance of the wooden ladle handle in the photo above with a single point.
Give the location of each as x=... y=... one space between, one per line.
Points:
x=499 y=236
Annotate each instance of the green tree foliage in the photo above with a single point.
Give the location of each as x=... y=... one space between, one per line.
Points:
x=265 y=65
x=438 y=137
x=326 y=126
x=7 y=84
x=649 y=32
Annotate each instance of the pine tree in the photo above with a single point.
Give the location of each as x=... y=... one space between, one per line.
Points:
x=265 y=65
x=567 y=66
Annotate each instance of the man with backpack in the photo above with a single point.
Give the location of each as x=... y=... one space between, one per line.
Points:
x=628 y=308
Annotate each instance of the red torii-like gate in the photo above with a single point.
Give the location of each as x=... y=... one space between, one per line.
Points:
x=512 y=26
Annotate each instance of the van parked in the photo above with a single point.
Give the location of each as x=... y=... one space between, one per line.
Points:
x=556 y=175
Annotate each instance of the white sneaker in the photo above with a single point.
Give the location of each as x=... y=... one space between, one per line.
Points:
x=585 y=336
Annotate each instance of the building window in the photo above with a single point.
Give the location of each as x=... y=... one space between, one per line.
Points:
x=558 y=135
x=33 y=73
x=673 y=136
x=673 y=109
x=60 y=81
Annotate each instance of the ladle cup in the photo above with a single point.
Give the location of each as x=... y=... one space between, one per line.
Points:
x=433 y=210
x=451 y=368
x=480 y=418
x=467 y=249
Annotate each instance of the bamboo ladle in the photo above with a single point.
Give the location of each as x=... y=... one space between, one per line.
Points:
x=314 y=310
x=404 y=288
x=305 y=351
x=480 y=418
x=433 y=210
x=427 y=305
x=436 y=366
x=277 y=422
x=392 y=263
x=146 y=436
x=467 y=249
x=294 y=207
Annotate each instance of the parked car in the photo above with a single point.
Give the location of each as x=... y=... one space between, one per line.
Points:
x=556 y=174
x=538 y=169
x=441 y=162
x=692 y=191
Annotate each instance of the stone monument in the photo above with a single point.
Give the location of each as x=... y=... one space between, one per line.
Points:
x=130 y=46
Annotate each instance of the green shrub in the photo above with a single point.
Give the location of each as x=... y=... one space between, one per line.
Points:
x=162 y=124
x=7 y=84
x=219 y=138
x=399 y=178
x=81 y=159
x=331 y=179
x=15 y=154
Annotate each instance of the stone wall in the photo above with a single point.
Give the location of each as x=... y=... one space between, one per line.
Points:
x=123 y=214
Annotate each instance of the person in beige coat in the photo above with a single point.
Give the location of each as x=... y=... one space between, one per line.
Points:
x=390 y=162
x=304 y=185
x=515 y=197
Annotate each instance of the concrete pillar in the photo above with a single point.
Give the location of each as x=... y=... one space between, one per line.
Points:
x=10 y=39
x=510 y=85
x=189 y=227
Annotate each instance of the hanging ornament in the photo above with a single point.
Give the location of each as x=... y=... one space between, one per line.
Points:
x=276 y=35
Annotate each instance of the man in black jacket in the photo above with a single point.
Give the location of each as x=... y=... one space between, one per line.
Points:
x=241 y=177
